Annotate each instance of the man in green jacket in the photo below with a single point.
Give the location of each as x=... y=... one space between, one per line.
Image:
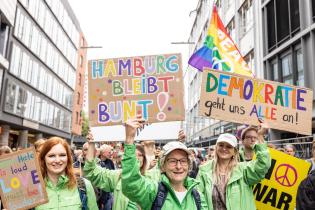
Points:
x=174 y=165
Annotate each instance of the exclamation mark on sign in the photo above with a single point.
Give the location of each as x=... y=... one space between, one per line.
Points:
x=162 y=100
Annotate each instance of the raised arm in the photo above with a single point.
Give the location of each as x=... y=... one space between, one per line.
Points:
x=135 y=186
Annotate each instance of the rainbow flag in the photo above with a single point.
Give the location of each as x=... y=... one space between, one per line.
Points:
x=219 y=51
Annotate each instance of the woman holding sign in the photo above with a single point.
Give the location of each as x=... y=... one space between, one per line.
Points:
x=64 y=192
x=225 y=182
x=110 y=180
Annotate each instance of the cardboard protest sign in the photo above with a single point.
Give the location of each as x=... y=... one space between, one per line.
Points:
x=121 y=88
x=279 y=188
x=241 y=99
x=21 y=183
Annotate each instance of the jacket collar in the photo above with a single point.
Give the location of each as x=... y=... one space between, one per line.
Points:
x=207 y=170
x=62 y=181
x=189 y=183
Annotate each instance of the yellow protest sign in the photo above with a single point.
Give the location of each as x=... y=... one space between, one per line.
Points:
x=279 y=188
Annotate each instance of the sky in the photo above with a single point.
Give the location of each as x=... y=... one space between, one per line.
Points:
x=126 y=28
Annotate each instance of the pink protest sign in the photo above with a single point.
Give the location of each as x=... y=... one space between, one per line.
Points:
x=21 y=183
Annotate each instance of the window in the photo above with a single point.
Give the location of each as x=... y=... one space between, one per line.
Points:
x=4 y=34
x=1 y=75
x=288 y=68
x=283 y=21
x=76 y=117
x=81 y=60
x=249 y=58
x=80 y=79
x=286 y=65
x=78 y=98
x=313 y=9
x=300 y=68
x=247 y=18
x=231 y=29
x=274 y=71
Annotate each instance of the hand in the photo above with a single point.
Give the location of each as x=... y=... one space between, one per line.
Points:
x=152 y=164
x=89 y=136
x=262 y=130
x=131 y=127
x=181 y=136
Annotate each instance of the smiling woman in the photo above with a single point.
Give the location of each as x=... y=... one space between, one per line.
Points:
x=61 y=184
x=175 y=190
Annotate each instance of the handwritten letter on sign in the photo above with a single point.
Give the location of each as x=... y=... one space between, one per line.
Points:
x=22 y=185
x=121 y=88
x=241 y=99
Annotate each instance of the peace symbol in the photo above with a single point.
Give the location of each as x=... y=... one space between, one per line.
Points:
x=282 y=176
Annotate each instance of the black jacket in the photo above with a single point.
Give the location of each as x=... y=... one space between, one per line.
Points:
x=305 y=199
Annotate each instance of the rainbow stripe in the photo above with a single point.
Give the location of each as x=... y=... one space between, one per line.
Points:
x=219 y=51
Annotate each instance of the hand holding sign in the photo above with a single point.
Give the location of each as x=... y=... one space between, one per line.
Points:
x=131 y=128
x=262 y=130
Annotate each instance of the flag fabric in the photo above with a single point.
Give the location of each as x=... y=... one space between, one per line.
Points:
x=219 y=51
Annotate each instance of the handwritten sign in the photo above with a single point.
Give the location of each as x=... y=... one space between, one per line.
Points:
x=241 y=99
x=21 y=182
x=279 y=188
x=121 y=88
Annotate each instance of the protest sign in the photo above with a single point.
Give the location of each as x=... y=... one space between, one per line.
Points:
x=121 y=88
x=241 y=99
x=279 y=188
x=22 y=185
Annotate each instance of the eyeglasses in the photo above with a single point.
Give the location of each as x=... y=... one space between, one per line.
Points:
x=173 y=162
x=251 y=137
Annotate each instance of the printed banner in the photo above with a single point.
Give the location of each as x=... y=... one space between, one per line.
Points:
x=279 y=188
x=121 y=88
x=241 y=99
x=22 y=185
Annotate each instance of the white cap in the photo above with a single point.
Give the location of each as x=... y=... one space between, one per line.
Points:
x=228 y=138
x=173 y=145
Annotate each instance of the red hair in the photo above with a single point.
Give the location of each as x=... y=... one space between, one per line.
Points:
x=46 y=147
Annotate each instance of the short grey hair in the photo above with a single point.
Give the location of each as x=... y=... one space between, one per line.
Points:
x=105 y=147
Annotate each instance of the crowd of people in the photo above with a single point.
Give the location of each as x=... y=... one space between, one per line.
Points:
x=145 y=176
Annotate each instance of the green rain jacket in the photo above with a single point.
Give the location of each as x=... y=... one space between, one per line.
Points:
x=143 y=190
x=239 y=194
x=109 y=181
x=62 y=198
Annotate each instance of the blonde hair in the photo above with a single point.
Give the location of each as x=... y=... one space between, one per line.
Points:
x=232 y=164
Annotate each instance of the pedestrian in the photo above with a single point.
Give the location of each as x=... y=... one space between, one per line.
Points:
x=105 y=200
x=5 y=150
x=175 y=191
x=249 y=137
x=63 y=189
x=312 y=159
x=305 y=199
x=110 y=180
x=225 y=182
x=38 y=144
x=290 y=149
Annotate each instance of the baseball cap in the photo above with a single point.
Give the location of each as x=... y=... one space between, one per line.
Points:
x=228 y=138
x=248 y=129
x=173 y=145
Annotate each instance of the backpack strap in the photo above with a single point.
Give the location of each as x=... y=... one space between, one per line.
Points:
x=197 y=199
x=162 y=193
x=82 y=192
x=160 y=197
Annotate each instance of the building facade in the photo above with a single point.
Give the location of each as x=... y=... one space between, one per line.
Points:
x=241 y=23
x=289 y=47
x=39 y=87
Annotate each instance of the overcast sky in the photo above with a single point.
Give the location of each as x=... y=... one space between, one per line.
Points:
x=135 y=27
x=126 y=28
